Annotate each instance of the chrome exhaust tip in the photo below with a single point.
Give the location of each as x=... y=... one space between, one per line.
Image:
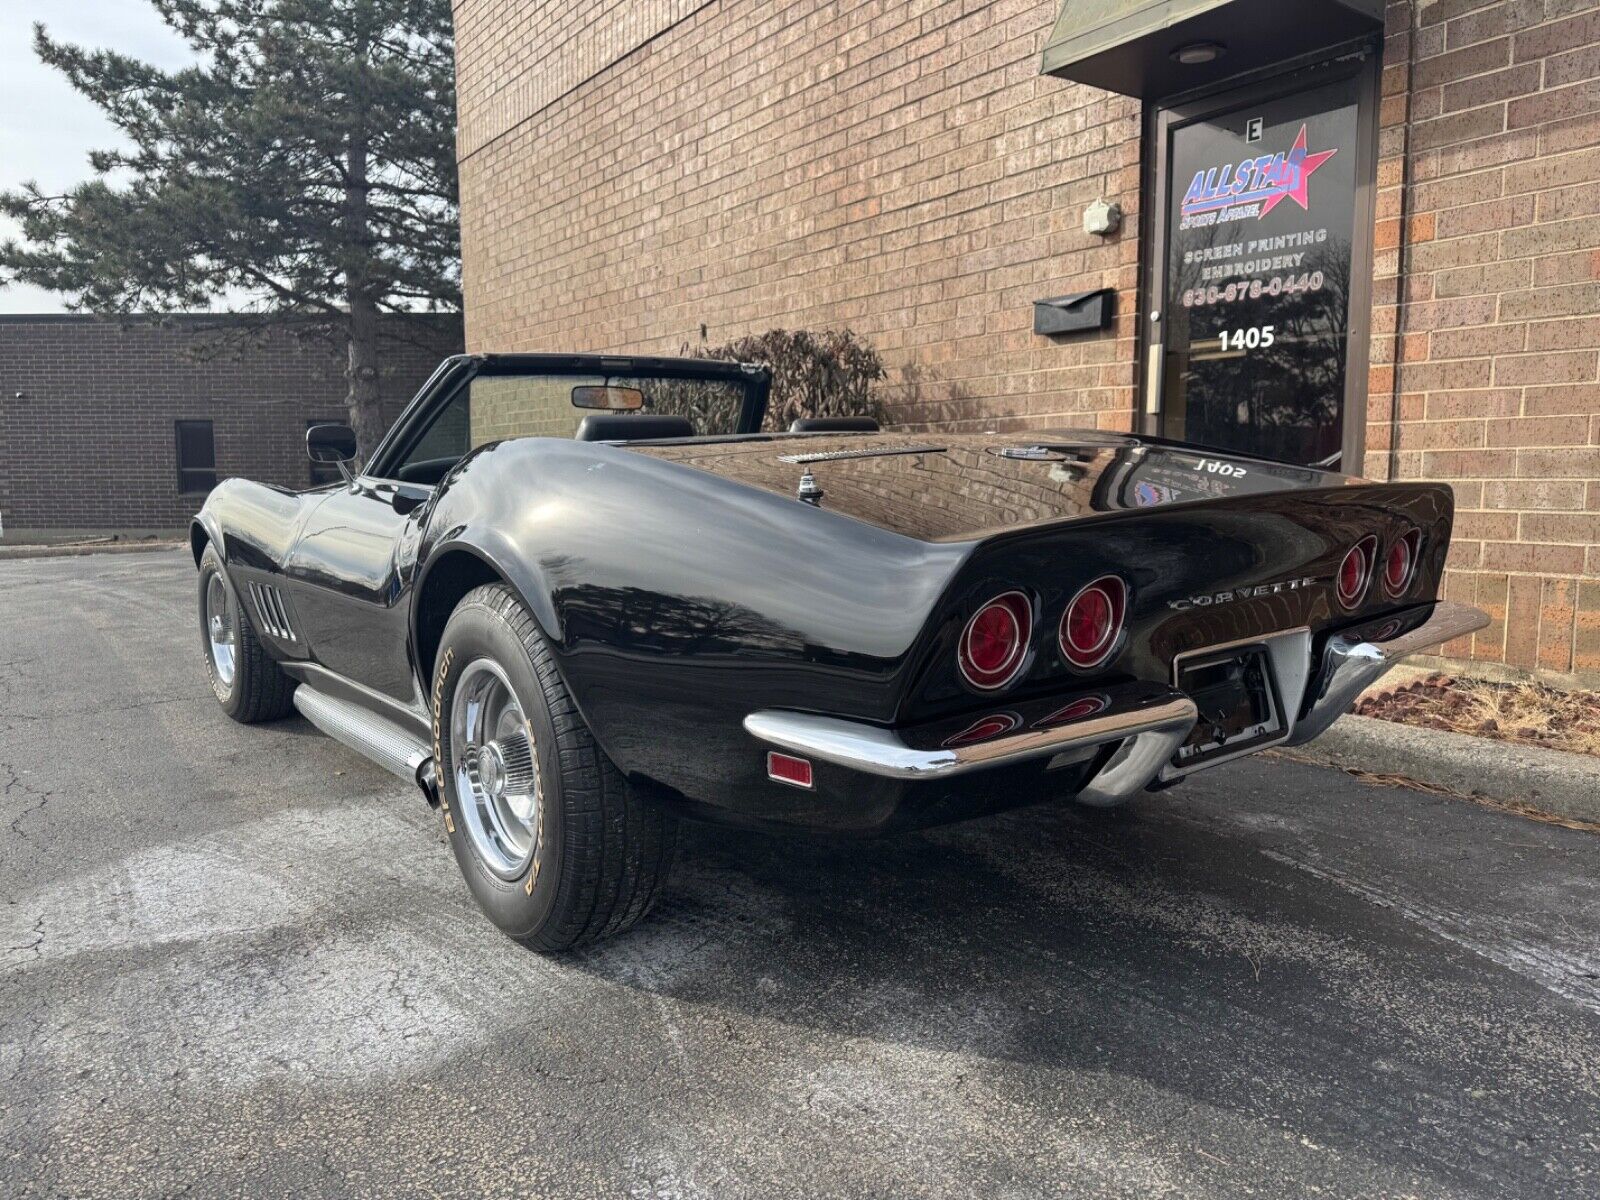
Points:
x=428 y=781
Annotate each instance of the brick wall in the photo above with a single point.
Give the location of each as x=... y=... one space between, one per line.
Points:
x=1497 y=238
x=515 y=60
x=90 y=441
x=901 y=168
x=514 y=406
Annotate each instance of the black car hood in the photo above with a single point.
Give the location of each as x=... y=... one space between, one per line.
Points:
x=958 y=486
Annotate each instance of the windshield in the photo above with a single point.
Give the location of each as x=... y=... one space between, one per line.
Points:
x=494 y=406
x=509 y=406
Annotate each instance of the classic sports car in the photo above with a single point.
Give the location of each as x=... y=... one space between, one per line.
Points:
x=576 y=598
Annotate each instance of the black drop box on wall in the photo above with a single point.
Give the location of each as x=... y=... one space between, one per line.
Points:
x=1080 y=313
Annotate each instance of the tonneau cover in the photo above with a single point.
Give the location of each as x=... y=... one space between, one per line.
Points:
x=960 y=486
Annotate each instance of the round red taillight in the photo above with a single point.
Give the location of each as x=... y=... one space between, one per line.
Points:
x=994 y=644
x=1355 y=571
x=1401 y=564
x=1092 y=622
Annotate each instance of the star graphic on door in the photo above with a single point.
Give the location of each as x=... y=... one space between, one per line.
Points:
x=1297 y=170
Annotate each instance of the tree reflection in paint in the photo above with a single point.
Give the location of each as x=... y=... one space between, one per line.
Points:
x=1281 y=401
x=654 y=622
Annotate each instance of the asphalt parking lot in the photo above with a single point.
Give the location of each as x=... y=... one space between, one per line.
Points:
x=239 y=961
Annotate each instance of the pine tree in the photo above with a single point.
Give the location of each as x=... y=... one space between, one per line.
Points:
x=306 y=160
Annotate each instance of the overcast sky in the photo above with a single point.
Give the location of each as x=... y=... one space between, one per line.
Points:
x=46 y=128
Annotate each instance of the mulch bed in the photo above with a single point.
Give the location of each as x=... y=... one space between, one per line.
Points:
x=1530 y=714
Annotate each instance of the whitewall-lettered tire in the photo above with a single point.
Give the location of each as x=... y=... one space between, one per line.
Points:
x=554 y=844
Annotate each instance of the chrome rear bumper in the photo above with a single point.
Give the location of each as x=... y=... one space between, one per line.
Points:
x=1351 y=665
x=1150 y=723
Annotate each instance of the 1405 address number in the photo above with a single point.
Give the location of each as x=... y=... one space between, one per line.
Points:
x=1258 y=337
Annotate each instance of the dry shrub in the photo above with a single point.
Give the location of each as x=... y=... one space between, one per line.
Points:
x=830 y=373
x=1513 y=712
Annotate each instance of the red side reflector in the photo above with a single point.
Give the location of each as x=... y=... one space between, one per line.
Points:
x=786 y=768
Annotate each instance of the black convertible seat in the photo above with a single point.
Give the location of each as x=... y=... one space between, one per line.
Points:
x=833 y=425
x=614 y=427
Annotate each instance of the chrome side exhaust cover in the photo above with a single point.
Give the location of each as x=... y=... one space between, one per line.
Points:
x=370 y=736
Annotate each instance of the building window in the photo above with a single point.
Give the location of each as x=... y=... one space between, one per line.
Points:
x=197 y=457
x=323 y=473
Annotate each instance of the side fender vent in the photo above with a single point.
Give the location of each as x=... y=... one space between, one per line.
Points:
x=272 y=612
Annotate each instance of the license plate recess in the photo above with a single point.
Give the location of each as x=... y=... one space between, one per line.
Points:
x=1237 y=696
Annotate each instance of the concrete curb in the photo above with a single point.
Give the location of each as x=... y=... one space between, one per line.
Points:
x=10 y=552
x=1552 y=781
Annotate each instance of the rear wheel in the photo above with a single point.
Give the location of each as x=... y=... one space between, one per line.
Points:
x=554 y=844
x=248 y=684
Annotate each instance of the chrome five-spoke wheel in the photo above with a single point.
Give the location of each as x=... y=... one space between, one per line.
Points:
x=551 y=839
x=246 y=680
x=496 y=769
x=221 y=626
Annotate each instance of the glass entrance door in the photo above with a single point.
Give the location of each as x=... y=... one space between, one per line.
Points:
x=1258 y=234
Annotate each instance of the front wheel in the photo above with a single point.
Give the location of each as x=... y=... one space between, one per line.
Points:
x=246 y=681
x=554 y=845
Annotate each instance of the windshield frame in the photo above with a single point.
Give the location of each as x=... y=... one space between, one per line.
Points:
x=458 y=371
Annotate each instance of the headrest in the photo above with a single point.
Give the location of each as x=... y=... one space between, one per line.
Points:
x=631 y=427
x=833 y=425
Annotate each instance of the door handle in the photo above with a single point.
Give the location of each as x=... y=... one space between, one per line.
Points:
x=406 y=498
x=402 y=497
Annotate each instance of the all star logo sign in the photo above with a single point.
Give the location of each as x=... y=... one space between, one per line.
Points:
x=1254 y=186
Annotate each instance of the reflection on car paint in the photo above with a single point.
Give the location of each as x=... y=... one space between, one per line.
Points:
x=1083 y=706
x=992 y=726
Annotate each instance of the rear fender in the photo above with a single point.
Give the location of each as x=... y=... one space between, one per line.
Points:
x=498 y=557
x=675 y=602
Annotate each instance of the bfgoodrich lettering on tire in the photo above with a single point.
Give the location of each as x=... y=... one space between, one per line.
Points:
x=554 y=844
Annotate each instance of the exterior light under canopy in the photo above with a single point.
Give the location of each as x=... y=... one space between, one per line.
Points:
x=1198 y=53
x=1156 y=49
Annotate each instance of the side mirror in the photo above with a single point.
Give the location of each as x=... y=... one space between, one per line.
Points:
x=608 y=399
x=331 y=443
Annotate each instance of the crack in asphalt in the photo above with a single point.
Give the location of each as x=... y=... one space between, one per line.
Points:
x=37 y=945
x=117 y=706
x=26 y=1044
x=13 y=783
x=1546 y=966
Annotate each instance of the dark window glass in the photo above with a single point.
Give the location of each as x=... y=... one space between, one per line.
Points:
x=441 y=443
x=1260 y=217
x=197 y=457
x=491 y=408
x=324 y=472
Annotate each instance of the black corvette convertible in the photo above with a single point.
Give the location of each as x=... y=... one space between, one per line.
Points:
x=576 y=598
